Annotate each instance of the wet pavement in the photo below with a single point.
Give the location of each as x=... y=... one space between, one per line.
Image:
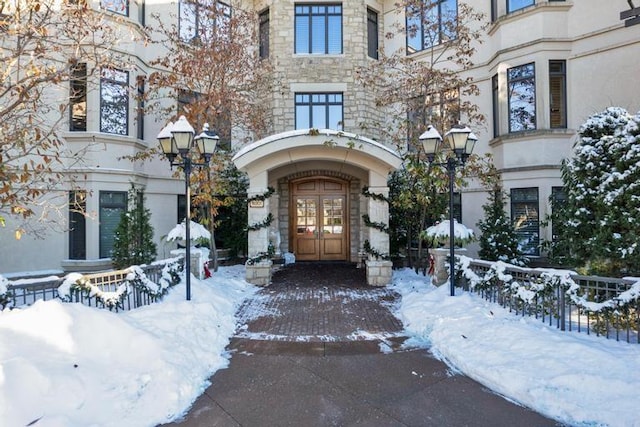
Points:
x=320 y=348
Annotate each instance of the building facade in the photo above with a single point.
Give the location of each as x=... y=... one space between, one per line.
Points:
x=542 y=68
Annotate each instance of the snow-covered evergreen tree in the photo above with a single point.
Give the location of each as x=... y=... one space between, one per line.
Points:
x=133 y=244
x=498 y=239
x=599 y=223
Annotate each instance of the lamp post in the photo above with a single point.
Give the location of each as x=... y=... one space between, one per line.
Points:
x=461 y=142
x=176 y=140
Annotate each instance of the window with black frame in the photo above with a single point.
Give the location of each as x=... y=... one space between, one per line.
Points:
x=319 y=111
x=219 y=119
x=111 y=206
x=121 y=7
x=558 y=94
x=525 y=219
x=77 y=225
x=318 y=29
x=263 y=33
x=430 y=23
x=140 y=108
x=141 y=11
x=372 y=33
x=78 y=98
x=114 y=101
x=513 y=5
x=457 y=207
x=521 y=96
x=558 y=198
x=495 y=101
x=202 y=19
x=439 y=109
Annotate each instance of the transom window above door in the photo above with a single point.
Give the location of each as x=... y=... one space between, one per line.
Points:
x=318 y=29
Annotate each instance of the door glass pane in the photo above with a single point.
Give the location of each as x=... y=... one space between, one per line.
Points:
x=332 y=216
x=306 y=213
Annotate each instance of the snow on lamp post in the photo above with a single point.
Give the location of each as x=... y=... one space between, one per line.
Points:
x=460 y=141
x=176 y=141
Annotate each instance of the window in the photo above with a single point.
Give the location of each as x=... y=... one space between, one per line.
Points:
x=521 y=87
x=140 y=108
x=77 y=225
x=430 y=23
x=524 y=215
x=219 y=119
x=319 y=111
x=318 y=29
x=495 y=98
x=416 y=122
x=558 y=198
x=200 y=19
x=442 y=110
x=114 y=102
x=182 y=207
x=118 y=6
x=141 y=11
x=185 y=98
x=558 y=94
x=264 y=34
x=457 y=207
x=372 y=33
x=513 y=5
x=112 y=205
x=78 y=98
x=494 y=10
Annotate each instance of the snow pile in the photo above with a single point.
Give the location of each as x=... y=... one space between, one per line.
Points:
x=70 y=365
x=574 y=378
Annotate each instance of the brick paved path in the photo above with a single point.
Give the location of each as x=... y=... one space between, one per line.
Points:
x=320 y=303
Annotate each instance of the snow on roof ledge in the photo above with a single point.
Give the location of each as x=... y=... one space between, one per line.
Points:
x=311 y=132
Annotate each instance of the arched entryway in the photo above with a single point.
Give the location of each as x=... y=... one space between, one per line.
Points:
x=319 y=219
x=318 y=209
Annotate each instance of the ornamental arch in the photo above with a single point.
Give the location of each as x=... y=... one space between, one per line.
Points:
x=316 y=211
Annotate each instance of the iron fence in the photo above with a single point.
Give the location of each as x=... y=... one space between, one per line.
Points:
x=24 y=292
x=594 y=307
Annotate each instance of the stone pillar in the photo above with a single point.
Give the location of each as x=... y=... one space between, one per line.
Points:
x=441 y=264
x=378 y=270
x=258 y=272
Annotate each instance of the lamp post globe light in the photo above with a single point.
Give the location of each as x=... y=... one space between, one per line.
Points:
x=460 y=141
x=177 y=141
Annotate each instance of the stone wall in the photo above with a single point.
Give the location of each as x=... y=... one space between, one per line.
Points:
x=321 y=73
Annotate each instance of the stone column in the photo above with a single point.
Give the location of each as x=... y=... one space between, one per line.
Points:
x=378 y=270
x=258 y=272
x=441 y=264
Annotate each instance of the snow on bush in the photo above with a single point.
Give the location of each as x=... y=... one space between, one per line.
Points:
x=439 y=233
x=5 y=296
x=196 y=232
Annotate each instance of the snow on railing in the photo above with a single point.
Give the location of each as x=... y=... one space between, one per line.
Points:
x=115 y=290
x=592 y=304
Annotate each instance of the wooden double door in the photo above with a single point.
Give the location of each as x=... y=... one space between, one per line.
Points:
x=319 y=219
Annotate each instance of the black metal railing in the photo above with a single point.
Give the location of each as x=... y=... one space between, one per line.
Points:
x=590 y=304
x=25 y=292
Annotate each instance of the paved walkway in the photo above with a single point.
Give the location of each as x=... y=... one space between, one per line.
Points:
x=320 y=348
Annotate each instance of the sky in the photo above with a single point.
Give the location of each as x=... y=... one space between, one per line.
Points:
x=65 y=364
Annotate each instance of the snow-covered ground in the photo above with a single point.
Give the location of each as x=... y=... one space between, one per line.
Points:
x=69 y=365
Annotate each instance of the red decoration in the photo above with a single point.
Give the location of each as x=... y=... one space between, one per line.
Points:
x=432 y=265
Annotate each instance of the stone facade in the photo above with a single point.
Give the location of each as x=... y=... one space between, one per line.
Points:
x=321 y=73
